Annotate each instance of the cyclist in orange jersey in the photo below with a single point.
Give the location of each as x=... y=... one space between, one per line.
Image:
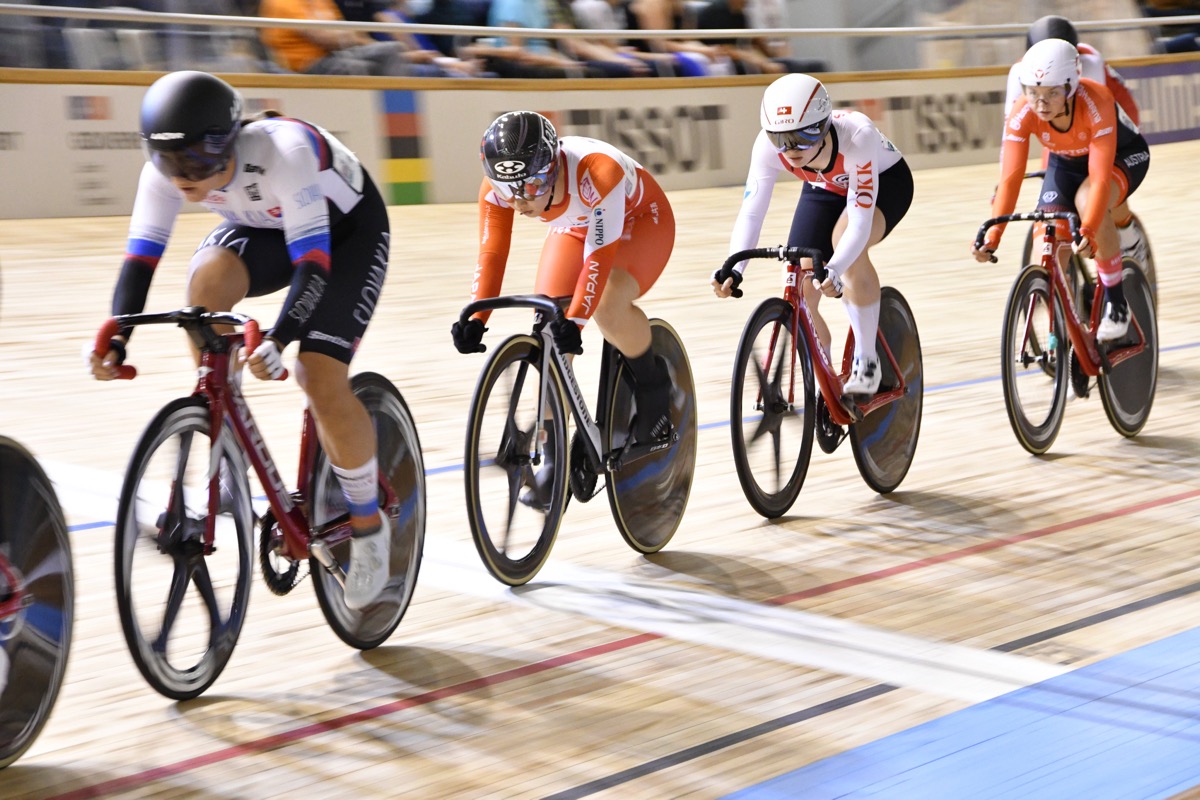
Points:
x=1093 y=67
x=611 y=233
x=1097 y=159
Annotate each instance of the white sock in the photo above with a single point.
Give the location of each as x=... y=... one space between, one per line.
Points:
x=864 y=321
x=361 y=489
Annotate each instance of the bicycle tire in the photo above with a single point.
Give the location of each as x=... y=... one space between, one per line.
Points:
x=776 y=418
x=1077 y=277
x=398 y=451
x=35 y=641
x=501 y=424
x=648 y=496
x=1127 y=391
x=156 y=520
x=1034 y=375
x=885 y=441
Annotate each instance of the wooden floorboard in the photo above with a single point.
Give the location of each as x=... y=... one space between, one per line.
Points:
x=744 y=650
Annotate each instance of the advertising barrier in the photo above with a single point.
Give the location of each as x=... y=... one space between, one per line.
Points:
x=73 y=150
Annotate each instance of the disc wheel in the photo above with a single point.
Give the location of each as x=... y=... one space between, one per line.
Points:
x=35 y=632
x=398 y=451
x=1127 y=391
x=648 y=496
x=885 y=441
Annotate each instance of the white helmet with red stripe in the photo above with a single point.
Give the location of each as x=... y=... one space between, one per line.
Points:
x=797 y=105
x=1051 y=62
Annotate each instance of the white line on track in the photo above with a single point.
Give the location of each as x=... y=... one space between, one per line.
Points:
x=693 y=615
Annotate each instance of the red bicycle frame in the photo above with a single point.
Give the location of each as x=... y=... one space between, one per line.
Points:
x=226 y=401
x=1083 y=340
x=829 y=382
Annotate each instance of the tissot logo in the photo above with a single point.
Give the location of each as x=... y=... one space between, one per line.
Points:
x=509 y=167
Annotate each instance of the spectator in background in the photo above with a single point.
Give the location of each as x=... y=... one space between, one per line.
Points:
x=1174 y=38
x=602 y=58
x=758 y=55
x=326 y=52
x=423 y=57
x=525 y=58
x=689 y=57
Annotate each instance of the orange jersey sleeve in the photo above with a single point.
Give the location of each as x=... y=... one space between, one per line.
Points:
x=495 y=238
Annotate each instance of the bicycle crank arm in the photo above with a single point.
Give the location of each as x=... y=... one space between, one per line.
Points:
x=631 y=453
x=320 y=551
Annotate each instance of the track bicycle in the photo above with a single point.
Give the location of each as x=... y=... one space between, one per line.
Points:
x=1077 y=273
x=37 y=599
x=185 y=525
x=1049 y=342
x=786 y=391
x=518 y=416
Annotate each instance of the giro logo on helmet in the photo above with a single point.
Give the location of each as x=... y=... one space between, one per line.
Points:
x=166 y=136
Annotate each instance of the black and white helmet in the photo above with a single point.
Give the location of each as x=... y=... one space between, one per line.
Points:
x=519 y=146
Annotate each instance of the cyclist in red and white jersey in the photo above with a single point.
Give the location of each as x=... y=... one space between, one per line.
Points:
x=611 y=231
x=1094 y=68
x=299 y=211
x=1097 y=159
x=857 y=186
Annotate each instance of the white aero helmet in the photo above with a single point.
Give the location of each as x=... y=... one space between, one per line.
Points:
x=1051 y=62
x=795 y=112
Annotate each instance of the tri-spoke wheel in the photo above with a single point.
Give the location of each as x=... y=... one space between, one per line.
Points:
x=37 y=599
x=772 y=410
x=183 y=550
x=1033 y=365
x=516 y=490
x=649 y=494
x=398 y=451
x=885 y=441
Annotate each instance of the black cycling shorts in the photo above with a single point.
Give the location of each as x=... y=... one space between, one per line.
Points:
x=358 y=264
x=1064 y=175
x=819 y=209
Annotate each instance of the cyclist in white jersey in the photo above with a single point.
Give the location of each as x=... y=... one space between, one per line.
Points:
x=857 y=187
x=299 y=211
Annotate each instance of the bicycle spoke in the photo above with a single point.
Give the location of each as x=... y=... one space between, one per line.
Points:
x=175 y=597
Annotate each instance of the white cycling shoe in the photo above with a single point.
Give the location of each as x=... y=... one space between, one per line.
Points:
x=370 y=567
x=1114 y=324
x=864 y=378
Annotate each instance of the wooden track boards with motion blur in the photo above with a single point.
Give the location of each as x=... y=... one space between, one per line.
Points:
x=744 y=650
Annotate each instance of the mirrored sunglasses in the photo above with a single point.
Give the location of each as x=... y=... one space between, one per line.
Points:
x=190 y=163
x=798 y=139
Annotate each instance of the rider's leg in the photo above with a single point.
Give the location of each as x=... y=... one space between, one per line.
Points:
x=1115 y=320
x=218 y=279
x=345 y=431
x=861 y=296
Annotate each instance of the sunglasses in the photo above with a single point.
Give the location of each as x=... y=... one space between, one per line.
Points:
x=190 y=163
x=798 y=139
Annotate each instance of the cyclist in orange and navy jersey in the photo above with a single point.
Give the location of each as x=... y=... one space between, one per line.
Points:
x=611 y=233
x=1097 y=159
x=1092 y=66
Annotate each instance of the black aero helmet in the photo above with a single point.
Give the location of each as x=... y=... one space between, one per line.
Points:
x=1051 y=27
x=189 y=123
x=518 y=146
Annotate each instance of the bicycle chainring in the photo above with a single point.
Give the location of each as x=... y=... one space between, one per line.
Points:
x=279 y=583
x=829 y=433
x=1079 y=379
x=580 y=476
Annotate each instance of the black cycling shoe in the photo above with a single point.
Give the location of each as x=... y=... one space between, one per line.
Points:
x=652 y=420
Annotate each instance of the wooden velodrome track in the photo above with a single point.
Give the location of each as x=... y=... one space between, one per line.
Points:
x=745 y=650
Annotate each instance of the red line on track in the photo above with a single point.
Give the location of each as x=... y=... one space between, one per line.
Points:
x=279 y=740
